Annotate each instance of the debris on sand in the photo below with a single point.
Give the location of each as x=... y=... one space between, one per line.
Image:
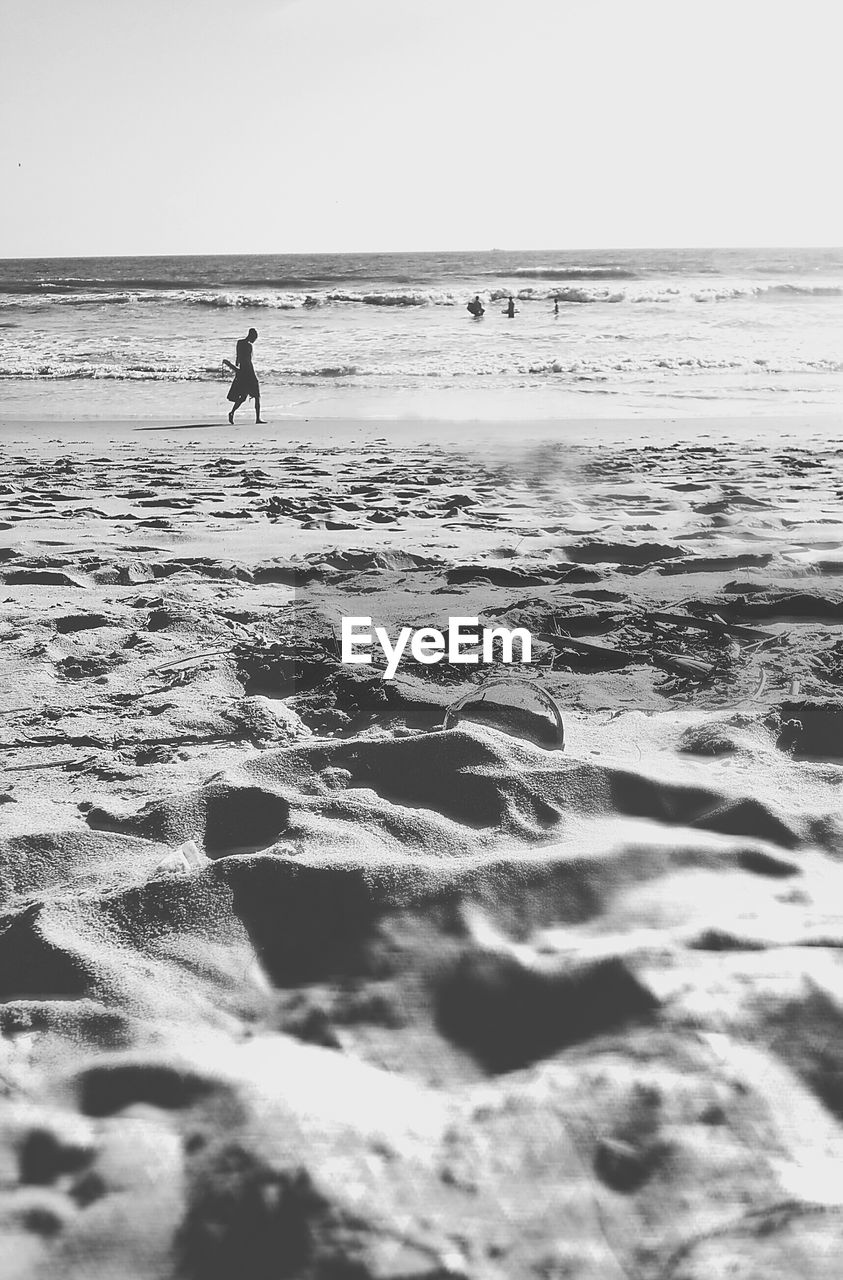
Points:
x=518 y=707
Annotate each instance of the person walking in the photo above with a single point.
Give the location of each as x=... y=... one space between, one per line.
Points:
x=245 y=382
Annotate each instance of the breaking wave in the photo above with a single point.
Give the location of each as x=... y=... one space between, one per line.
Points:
x=107 y=373
x=573 y=273
x=226 y=299
x=407 y=371
x=625 y=290
x=681 y=364
x=137 y=372
x=665 y=293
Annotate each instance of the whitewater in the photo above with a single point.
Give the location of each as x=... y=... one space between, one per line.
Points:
x=667 y=331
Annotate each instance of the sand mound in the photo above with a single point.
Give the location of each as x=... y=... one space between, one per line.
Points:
x=461 y=787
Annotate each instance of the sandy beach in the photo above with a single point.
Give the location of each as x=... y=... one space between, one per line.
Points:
x=295 y=980
x=421 y=641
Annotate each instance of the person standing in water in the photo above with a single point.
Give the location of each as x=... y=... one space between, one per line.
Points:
x=245 y=382
x=510 y=307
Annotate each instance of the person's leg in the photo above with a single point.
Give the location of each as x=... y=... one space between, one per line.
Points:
x=237 y=405
x=258 y=417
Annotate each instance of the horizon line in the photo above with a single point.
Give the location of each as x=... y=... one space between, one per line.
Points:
x=365 y=253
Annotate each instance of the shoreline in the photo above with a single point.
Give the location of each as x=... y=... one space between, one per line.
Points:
x=515 y=432
x=103 y=400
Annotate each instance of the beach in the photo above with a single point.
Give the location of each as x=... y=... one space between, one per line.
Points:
x=298 y=981
x=421 y=776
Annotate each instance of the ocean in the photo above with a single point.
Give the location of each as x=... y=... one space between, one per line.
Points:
x=655 y=332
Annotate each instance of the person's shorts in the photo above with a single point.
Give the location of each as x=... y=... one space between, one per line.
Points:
x=245 y=384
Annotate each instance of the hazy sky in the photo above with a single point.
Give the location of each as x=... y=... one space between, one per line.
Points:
x=189 y=126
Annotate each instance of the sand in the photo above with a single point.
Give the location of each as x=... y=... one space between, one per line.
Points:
x=295 y=981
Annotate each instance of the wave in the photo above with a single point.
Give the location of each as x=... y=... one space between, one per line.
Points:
x=92 y=284
x=681 y=364
x=570 y=294
x=164 y=284
x=661 y=294
x=654 y=293
x=43 y=300
x=570 y=273
x=251 y=300
x=106 y=373
x=406 y=371
x=806 y=290
x=727 y=292
x=226 y=299
x=416 y=298
x=94 y=371
x=291 y=302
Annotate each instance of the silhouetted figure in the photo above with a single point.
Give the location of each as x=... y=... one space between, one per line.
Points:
x=245 y=382
x=476 y=307
x=510 y=307
x=556 y=306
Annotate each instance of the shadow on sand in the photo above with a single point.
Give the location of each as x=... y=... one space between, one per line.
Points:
x=183 y=426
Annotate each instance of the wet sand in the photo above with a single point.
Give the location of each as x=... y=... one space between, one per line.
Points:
x=295 y=981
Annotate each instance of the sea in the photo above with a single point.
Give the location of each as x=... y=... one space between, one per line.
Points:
x=611 y=333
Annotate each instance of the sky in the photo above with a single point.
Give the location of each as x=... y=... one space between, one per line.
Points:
x=286 y=126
